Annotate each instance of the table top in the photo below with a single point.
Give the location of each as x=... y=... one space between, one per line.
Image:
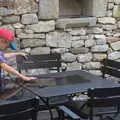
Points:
x=69 y=82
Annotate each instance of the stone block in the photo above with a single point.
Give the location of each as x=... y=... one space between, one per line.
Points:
x=75 y=22
x=94 y=8
x=58 y=39
x=11 y=19
x=29 y=19
x=116 y=11
x=114 y=55
x=40 y=50
x=48 y=9
x=83 y=58
x=25 y=6
x=42 y=26
x=115 y=45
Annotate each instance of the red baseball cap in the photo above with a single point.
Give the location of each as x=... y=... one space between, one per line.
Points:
x=8 y=35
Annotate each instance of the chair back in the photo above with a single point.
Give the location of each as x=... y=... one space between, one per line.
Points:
x=19 y=109
x=103 y=97
x=111 y=67
x=39 y=61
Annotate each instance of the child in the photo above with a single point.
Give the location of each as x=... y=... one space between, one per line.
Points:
x=7 y=40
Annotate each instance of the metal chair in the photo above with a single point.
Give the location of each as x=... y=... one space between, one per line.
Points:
x=19 y=109
x=99 y=100
x=111 y=67
x=50 y=61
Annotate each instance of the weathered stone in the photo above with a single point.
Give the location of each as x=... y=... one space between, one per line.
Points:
x=100 y=41
x=106 y=20
x=11 y=19
x=94 y=7
x=109 y=13
x=37 y=0
x=95 y=30
x=25 y=36
x=108 y=33
x=99 y=56
x=4 y=11
x=68 y=57
x=74 y=66
x=96 y=72
x=110 y=0
x=116 y=45
x=32 y=43
x=40 y=50
x=25 y=6
x=19 y=31
x=99 y=36
x=48 y=9
x=89 y=43
x=42 y=26
x=58 y=39
x=92 y=66
x=114 y=55
x=78 y=32
x=99 y=48
x=28 y=31
x=74 y=38
x=29 y=19
x=27 y=50
x=78 y=43
x=116 y=11
x=75 y=22
x=84 y=37
x=117 y=34
x=110 y=5
x=63 y=66
x=18 y=25
x=59 y=50
x=82 y=58
x=117 y=1
x=80 y=50
x=112 y=39
x=109 y=27
x=0 y=18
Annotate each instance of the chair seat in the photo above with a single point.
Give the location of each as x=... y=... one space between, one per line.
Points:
x=77 y=107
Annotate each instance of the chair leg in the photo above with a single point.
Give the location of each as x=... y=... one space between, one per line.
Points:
x=67 y=113
x=60 y=114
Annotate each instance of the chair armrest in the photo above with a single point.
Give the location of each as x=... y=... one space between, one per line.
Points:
x=70 y=113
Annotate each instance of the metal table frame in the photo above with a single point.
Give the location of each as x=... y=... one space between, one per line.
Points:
x=64 y=88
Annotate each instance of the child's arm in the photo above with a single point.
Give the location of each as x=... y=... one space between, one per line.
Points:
x=8 y=55
x=11 y=70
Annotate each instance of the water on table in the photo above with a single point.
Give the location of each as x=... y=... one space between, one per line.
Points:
x=52 y=81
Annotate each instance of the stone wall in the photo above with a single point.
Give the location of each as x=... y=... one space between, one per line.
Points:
x=82 y=42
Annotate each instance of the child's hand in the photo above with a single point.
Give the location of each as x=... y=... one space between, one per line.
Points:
x=28 y=78
x=22 y=54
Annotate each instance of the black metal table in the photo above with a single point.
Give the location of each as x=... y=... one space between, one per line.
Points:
x=64 y=84
x=67 y=83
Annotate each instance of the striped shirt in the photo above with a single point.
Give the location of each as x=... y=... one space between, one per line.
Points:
x=2 y=60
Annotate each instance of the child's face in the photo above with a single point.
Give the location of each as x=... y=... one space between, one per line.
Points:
x=4 y=43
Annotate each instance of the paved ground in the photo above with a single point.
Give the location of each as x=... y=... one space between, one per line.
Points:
x=44 y=115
